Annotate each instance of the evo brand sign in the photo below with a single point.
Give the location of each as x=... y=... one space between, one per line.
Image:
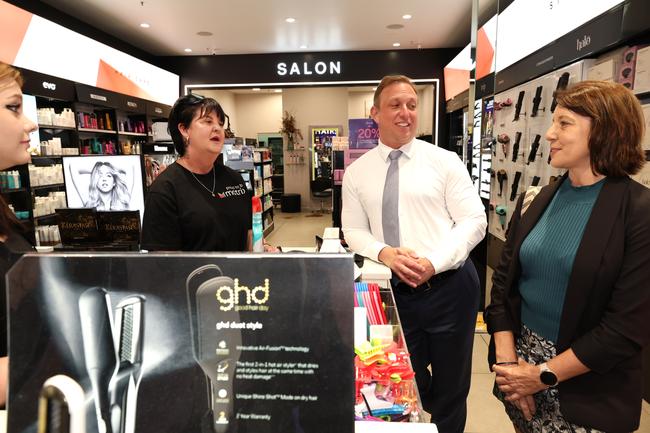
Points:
x=242 y=298
x=306 y=68
x=49 y=86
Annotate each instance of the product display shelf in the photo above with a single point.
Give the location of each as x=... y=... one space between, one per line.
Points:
x=45 y=157
x=263 y=173
x=133 y=134
x=42 y=218
x=98 y=131
x=12 y=190
x=376 y=273
x=50 y=186
x=18 y=195
x=56 y=127
x=268 y=229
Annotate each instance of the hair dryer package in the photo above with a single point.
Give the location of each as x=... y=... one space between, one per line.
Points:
x=202 y=343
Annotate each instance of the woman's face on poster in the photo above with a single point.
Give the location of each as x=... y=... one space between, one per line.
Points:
x=105 y=181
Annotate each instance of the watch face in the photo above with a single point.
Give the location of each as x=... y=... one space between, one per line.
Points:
x=548 y=378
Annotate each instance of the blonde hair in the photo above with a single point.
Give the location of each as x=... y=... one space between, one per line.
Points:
x=8 y=221
x=9 y=73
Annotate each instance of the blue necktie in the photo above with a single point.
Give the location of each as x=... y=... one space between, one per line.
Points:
x=390 y=201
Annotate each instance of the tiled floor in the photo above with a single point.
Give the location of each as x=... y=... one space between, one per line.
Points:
x=485 y=413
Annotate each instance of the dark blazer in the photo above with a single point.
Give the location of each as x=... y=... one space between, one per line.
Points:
x=606 y=308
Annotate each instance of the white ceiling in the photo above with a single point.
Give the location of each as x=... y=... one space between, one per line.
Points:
x=258 y=26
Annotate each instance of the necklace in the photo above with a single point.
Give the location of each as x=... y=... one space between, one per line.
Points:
x=214 y=182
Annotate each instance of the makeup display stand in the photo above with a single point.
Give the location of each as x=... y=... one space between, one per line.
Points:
x=376 y=273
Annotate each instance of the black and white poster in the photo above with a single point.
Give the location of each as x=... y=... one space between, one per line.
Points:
x=155 y=343
x=106 y=182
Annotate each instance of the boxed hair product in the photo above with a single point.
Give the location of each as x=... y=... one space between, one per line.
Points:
x=642 y=71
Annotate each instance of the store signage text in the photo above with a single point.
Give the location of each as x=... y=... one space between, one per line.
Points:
x=229 y=297
x=98 y=97
x=49 y=86
x=585 y=42
x=319 y=68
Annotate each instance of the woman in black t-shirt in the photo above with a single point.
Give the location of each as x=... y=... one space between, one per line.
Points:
x=197 y=204
x=14 y=142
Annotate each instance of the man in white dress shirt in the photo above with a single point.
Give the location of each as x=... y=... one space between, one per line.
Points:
x=412 y=206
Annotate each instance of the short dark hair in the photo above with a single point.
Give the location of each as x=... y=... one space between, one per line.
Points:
x=617 y=125
x=184 y=110
x=387 y=81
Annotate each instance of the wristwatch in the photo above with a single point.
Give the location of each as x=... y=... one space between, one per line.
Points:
x=547 y=376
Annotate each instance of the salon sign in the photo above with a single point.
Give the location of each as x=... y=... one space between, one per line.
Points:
x=332 y=67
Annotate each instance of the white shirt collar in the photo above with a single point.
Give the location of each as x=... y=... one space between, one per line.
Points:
x=407 y=149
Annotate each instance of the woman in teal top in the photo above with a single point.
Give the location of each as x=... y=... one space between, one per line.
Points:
x=571 y=294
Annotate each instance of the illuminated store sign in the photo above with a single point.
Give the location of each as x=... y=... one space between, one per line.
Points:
x=40 y=45
x=306 y=68
x=517 y=38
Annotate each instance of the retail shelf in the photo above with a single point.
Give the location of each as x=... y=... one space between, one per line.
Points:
x=12 y=190
x=48 y=156
x=101 y=131
x=643 y=95
x=53 y=185
x=266 y=161
x=69 y=128
x=268 y=229
x=44 y=217
x=133 y=134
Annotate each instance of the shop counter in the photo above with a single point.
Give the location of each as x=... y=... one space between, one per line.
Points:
x=393 y=427
x=359 y=426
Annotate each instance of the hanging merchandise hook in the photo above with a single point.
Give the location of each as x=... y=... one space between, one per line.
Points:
x=502 y=176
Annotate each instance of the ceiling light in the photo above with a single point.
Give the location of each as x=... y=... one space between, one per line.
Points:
x=396 y=44
x=302 y=47
x=204 y=33
x=290 y=20
x=188 y=50
x=394 y=26
x=278 y=90
x=145 y=25
x=407 y=16
x=256 y=89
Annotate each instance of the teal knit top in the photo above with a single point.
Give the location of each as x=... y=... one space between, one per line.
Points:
x=547 y=255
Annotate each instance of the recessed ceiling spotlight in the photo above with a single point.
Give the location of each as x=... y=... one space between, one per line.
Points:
x=278 y=90
x=396 y=44
x=407 y=16
x=303 y=47
x=145 y=25
x=256 y=89
x=204 y=33
x=394 y=26
x=188 y=50
x=290 y=20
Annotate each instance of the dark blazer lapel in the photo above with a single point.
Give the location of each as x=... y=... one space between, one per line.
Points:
x=589 y=256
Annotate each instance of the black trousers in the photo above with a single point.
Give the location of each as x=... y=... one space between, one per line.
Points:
x=439 y=327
